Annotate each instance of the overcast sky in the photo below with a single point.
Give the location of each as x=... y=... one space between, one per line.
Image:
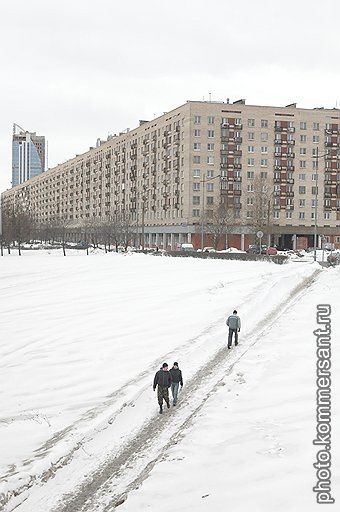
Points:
x=76 y=71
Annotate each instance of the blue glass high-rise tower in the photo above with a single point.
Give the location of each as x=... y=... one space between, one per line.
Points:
x=28 y=155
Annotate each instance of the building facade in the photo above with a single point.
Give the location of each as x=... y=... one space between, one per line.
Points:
x=169 y=173
x=28 y=155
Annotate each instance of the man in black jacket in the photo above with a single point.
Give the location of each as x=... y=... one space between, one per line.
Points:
x=176 y=380
x=163 y=381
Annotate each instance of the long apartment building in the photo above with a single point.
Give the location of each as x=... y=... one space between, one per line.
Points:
x=169 y=172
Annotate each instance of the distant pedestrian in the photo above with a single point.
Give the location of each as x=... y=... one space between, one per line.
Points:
x=163 y=381
x=234 y=324
x=176 y=380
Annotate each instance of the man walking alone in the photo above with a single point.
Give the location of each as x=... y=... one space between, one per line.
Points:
x=234 y=324
x=176 y=380
x=163 y=381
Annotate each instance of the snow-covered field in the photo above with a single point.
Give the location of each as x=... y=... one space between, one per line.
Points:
x=81 y=339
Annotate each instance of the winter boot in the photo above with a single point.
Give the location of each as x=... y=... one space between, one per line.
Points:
x=160 y=409
x=168 y=405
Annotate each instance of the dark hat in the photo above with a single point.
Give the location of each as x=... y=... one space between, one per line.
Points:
x=235 y=312
x=175 y=364
x=164 y=365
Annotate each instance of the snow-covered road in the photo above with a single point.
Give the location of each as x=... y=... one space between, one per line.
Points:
x=169 y=310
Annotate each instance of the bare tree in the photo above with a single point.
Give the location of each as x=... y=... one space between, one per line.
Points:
x=219 y=221
x=16 y=224
x=261 y=206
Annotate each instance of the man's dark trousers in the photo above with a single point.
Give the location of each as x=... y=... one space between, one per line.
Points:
x=230 y=337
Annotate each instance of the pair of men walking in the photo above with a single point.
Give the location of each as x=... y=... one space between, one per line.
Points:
x=165 y=379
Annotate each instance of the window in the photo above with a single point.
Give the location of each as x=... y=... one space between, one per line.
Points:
x=264 y=149
x=195 y=213
x=251 y=123
x=250 y=200
x=196 y=173
x=250 y=187
x=211 y=146
x=197 y=146
x=251 y=149
x=316 y=138
x=238 y=121
x=288 y=215
x=314 y=191
x=210 y=187
x=210 y=173
x=264 y=175
x=264 y=136
x=303 y=138
x=251 y=162
x=303 y=151
x=303 y=125
x=197 y=119
x=315 y=164
x=197 y=159
x=211 y=134
x=196 y=186
x=250 y=175
x=211 y=119
x=327 y=215
x=210 y=200
x=210 y=160
x=302 y=164
x=264 y=162
x=276 y=214
x=315 y=126
x=302 y=203
x=196 y=200
x=301 y=215
x=249 y=214
x=197 y=133
x=251 y=135
x=264 y=123
x=314 y=151
x=314 y=177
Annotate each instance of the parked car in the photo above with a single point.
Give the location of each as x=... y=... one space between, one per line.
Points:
x=209 y=249
x=271 y=251
x=185 y=247
x=255 y=249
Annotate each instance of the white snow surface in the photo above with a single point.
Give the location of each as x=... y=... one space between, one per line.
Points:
x=82 y=336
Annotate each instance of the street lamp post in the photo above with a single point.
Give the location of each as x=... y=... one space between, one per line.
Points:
x=316 y=192
x=143 y=213
x=202 y=221
x=316 y=202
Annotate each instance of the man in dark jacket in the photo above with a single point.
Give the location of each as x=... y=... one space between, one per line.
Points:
x=176 y=380
x=163 y=381
x=234 y=324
